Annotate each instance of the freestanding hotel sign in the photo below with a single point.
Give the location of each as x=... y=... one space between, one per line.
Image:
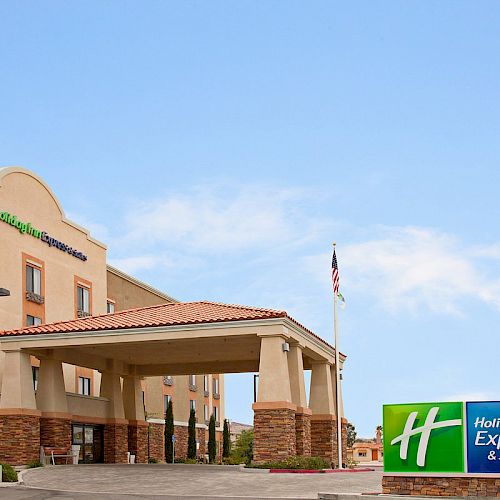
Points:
x=429 y=438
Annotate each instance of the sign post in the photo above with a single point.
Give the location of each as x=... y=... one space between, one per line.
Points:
x=173 y=448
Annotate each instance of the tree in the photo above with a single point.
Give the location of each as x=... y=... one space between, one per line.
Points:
x=226 y=440
x=169 y=432
x=212 y=445
x=242 y=451
x=192 y=435
x=351 y=434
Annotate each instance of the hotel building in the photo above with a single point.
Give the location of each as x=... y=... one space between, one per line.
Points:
x=90 y=356
x=56 y=271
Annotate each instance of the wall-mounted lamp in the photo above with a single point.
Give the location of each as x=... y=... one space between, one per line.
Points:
x=285 y=346
x=4 y=292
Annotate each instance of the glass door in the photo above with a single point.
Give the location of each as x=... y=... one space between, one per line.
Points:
x=89 y=437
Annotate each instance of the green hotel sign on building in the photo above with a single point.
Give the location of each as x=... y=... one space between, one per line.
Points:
x=446 y=437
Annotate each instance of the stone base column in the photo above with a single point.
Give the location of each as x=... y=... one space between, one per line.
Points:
x=303 y=431
x=468 y=486
x=55 y=431
x=138 y=440
x=344 y=441
x=181 y=441
x=201 y=436
x=19 y=436
x=274 y=431
x=324 y=437
x=116 y=441
x=157 y=441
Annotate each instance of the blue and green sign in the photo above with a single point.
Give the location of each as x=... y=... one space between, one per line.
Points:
x=27 y=228
x=442 y=437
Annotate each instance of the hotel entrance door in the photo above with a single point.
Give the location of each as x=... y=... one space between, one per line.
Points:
x=90 y=439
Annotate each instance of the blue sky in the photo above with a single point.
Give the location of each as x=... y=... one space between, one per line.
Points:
x=220 y=147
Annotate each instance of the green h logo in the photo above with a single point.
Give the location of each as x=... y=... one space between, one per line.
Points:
x=424 y=437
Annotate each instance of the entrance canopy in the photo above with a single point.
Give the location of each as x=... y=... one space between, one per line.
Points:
x=175 y=339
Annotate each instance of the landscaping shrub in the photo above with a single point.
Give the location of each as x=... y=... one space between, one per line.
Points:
x=169 y=432
x=9 y=475
x=34 y=464
x=307 y=463
x=212 y=444
x=242 y=451
x=152 y=460
x=191 y=451
x=226 y=440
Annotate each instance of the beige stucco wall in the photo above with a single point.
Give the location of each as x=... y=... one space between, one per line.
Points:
x=25 y=195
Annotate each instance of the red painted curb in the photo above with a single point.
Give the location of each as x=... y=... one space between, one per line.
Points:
x=316 y=471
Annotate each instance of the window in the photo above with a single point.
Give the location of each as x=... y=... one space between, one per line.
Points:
x=192 y=383
x=82 y=299
x=84 y=386
x=205 y=413
x=361 y=453
x=192 y=404
x=205 y=383
x=33 y=280
x=216 y=413
x=33 y=320
x=166 y=399
x=110 y=307
x=35 y=371
x=215 y=384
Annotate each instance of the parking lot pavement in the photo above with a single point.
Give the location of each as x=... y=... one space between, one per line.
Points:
x=186 y=481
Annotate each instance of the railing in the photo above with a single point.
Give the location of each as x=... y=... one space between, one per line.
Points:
x=34 y=297
x=168 y=380
x=82 y=314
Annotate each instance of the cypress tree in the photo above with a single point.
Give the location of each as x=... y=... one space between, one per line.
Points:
x=212 y=445
x=192 y=435
x=169 y=432
x=226 y=440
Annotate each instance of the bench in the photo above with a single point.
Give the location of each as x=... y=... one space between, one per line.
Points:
x=52 y=454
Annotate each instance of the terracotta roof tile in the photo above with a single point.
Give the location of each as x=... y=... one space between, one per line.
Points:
x=180 y=313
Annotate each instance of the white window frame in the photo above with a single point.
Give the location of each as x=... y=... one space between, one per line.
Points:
x=192 y=404
x=33 y=285
x=84 y=386
x=215 y=411
x=205 y=383
x=205 y=413
x=36 y=320
x=215 y=384
x=83 y=299
x=166 y=399
x=110 y=307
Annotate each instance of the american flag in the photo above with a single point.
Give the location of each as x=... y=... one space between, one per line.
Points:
x=335 y=274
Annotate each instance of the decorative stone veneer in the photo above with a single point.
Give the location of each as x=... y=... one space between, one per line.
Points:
x=55 y=432
x=181 y=441
x=202 y=436
x=324 y=439
x=303 y=433
x=138 y=440
x=115 y=443
x=441 y=486
x=274 y=434
x=157 y=441
x=19 y=439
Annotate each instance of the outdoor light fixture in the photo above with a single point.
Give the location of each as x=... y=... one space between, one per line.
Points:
x=4 y=292
x=285 y=346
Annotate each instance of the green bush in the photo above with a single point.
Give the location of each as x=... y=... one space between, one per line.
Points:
x=152 y=460
x=34 y=464
x=307 y=463
x=9 y=475
x=242 y=451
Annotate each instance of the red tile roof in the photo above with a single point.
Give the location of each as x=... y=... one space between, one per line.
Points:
x=180 y=313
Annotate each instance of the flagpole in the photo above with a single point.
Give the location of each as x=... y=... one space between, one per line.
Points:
x=337 y=378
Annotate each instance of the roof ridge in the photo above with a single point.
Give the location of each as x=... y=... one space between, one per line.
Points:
x=239 y=306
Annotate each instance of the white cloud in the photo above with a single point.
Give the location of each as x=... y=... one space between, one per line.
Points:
x=472 y=396
x=214 y=219
x=413 y=268
x=132 y=265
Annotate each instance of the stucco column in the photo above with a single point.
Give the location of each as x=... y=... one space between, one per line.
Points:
x=19 y=416
x=116 y=427
x=55 y=422
x=274 y=412
x=298 y=394
x=323 y=419
x=134 y=413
